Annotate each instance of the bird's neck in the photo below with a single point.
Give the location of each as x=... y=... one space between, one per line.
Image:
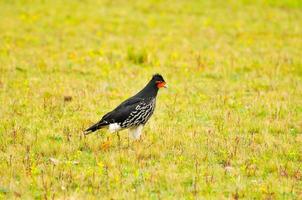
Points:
x=149 y=91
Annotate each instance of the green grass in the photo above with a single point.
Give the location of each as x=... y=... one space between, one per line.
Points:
x=229 y=126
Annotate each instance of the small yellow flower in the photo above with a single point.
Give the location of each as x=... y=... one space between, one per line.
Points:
x=100 y=167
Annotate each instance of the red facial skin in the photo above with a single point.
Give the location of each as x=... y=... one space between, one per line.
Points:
x=160 y=84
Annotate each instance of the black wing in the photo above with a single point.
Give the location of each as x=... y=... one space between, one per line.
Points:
x=121 y=112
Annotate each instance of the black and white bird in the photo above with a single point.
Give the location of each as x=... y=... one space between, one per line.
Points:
x=134 y=112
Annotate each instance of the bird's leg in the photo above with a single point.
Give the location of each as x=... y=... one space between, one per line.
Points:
x=119 y=139
x=140 y=139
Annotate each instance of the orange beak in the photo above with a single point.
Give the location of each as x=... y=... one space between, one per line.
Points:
x=161 y=84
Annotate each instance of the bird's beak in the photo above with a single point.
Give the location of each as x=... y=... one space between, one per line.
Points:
x=161 y=84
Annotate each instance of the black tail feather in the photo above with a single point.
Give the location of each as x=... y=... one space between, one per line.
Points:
x=95 y=127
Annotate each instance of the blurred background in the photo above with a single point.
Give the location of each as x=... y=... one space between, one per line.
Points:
x=229 y=126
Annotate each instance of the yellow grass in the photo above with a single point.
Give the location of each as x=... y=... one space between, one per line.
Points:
x=229 y=126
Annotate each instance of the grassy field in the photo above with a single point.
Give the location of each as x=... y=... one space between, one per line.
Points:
x=228 y=127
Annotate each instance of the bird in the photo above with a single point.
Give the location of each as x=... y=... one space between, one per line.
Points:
x=133 y=113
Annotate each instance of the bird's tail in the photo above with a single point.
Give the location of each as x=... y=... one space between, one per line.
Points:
x=95 y=127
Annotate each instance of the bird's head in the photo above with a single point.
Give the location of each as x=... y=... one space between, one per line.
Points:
x=159 y=81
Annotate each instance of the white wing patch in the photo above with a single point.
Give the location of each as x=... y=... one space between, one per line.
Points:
x=136 y=132
x=114 y=127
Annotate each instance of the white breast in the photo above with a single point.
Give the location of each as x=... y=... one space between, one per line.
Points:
x=136 y=132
